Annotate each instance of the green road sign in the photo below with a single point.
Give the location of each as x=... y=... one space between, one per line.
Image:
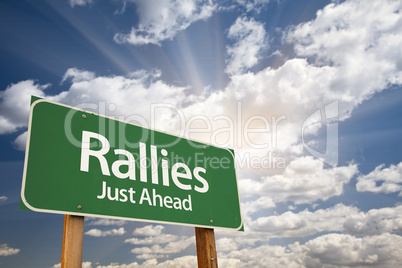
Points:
x=81 y=163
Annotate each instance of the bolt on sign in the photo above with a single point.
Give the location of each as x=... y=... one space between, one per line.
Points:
x=81 y=163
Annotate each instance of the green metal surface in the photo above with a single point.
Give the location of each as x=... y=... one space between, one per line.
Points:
x=54 y=182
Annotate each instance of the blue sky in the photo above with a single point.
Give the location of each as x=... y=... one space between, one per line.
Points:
x=297 y=71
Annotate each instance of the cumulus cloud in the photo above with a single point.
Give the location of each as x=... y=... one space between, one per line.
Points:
x=331 y=250
x=181 y=262
x=21 y=141
x=274 y=101
x=162 y=244
x=375 y=221
x=149 y=230
x=85 y=264
x=170 y=248
x=159 y=239
x=5 y=250
x=104 y=222
x=111 y=96
x=305 y=180
x=99 y=233
x=249 y=40
x=226 y=244
x=304 y=223
x=74 y=3
x=359 y=41
x=262 y=256
x=381 y=180
x=339 y=218
x=347 y=53
x=151 y=256
x=77 y=75
x=262 y=202
x=161 y=20
x=253 y=5
x=345 y=250
x=3 y=198
x=14 y=104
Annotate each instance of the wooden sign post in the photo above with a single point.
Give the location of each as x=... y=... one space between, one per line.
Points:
x=73 y=234
x=206 y=249
x=88 y=137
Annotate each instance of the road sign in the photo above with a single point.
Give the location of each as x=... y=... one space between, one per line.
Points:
x=81 y=163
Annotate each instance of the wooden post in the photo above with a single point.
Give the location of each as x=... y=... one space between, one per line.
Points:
x=73 y=234
x=206 y=249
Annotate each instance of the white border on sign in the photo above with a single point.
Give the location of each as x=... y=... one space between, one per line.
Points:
x=105 y=216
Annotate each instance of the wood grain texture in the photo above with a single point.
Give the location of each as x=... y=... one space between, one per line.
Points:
x=73 y=234
x=206 y=249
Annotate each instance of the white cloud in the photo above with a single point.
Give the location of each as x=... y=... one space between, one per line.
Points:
x=115 y=95
x=151 y=256
x=85 y=264
x=339 y=218
x=180 y=262
x=74 y=3
x=360 y=41
x=304 y=223
x=105 y=222
x=161 y=20
x=331 y=250
x=253 y=5
x=5 y=250
x=119 y=93
x=262 y=202
x=249 y=40
x=226 y=244
x=375 y=221
x=276 y=102
x=169 y=248
x=149 y=230
x=345 y=250
x=157 y=239
x=3 y=198
x=21 y=141
x=99 y=233
x=291 y=92
x=14 y=104
x=247 y=187
x=364 y=60
x=381 y=180
x=77 y=75
x=262 y=256
x=252 y=206
x=305 y=180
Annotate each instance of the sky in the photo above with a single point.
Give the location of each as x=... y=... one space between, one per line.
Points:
x=307 y=93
